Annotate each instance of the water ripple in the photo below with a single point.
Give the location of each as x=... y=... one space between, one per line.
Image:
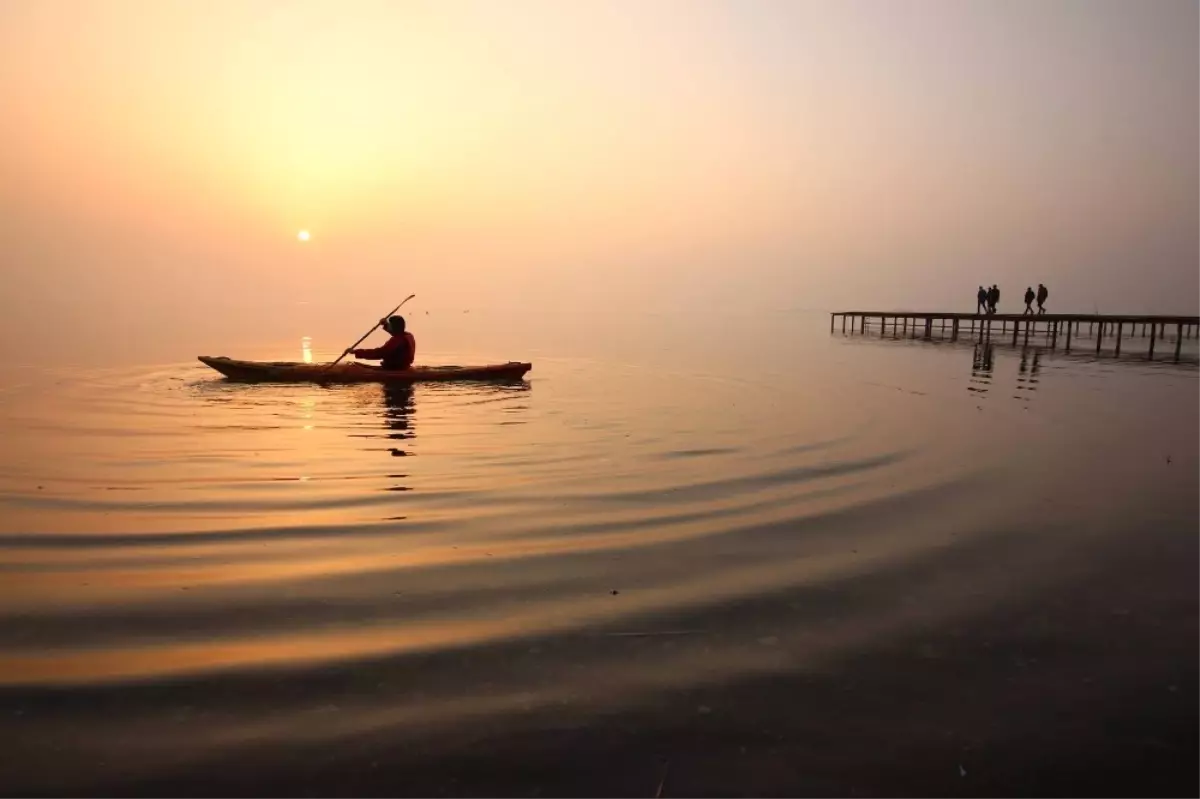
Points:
x=165 y=530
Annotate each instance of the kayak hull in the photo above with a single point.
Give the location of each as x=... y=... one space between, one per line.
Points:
x=293 y=372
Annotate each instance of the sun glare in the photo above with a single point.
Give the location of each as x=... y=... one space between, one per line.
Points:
x=302 y=235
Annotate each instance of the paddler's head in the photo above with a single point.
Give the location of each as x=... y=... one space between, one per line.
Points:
x=395 y=325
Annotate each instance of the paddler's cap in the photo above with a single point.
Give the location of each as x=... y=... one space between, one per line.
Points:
x=395 y=324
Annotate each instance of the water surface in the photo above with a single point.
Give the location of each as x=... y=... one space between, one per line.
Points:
x=768 y=560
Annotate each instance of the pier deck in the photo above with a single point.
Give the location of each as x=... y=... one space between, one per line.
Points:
x=1052 y=327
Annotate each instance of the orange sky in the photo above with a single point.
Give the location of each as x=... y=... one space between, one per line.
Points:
x=158 y=158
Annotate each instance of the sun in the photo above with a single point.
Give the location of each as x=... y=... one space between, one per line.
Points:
x=302 y=235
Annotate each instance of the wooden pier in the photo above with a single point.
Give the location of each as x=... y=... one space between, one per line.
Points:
x=1048 y=327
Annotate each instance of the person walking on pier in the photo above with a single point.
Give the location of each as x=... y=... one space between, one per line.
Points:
x=993 y=298
x=1028 y=301
x=1042 y=294
x=981 y=301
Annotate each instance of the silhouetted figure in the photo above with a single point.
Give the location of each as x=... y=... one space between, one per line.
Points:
x=993 y=298
x=1042 y=294
x=1028 y=300
x=397 y=352
x=981 y=301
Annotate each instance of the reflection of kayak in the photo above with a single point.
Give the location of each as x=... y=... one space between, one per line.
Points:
x=292 y=372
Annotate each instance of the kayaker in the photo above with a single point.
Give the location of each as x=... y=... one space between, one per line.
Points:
x=398 y=352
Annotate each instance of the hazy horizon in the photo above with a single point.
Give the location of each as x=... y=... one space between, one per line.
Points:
x=159 y=159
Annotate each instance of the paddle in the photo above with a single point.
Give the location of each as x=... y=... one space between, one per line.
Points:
x=369 y=332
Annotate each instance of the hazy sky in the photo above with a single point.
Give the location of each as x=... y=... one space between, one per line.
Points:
x=157 y=158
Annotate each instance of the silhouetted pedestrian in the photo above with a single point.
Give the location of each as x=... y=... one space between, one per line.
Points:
x=1028 y=300
x=1042 y=294
x=993 y=298
x=981 y=301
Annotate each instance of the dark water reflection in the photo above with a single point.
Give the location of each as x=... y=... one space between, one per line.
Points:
x=1027 y=380
x=841 y=573
x=398 y=404
x=981 y=369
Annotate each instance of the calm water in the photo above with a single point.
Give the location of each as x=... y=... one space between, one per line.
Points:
x=637 y=556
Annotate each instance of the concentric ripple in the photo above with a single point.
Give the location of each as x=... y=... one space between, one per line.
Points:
x=402 y=558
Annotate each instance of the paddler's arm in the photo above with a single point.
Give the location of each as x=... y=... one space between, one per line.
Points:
x=379 y=353
x=368 y=355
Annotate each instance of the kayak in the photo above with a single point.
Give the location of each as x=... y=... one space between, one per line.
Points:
x=294 y=372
